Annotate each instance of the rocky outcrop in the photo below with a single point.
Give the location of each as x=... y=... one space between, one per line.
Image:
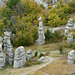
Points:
x=69 y=26
x=2 y=64
x=19 y=57
x=8 y=48
x=41 y=39
x=71 y=57
x=70 y=38
x=29 y=54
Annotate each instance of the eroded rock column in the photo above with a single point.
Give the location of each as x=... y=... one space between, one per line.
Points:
x=8 y=48
x=19 y=57
x=2 y=63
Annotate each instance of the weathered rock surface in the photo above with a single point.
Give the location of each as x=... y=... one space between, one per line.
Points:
x=69 y=26
x=42 y=59
x=70 y=38
x=41 y=39
x=2 y=64
x=71 y=57
x=19 y=57
x=41 y=2
x=29 y=54
x=8 y=48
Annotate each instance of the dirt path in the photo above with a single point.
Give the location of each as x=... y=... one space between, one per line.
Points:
x=51 y=59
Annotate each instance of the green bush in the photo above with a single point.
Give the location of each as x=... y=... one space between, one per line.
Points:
x=72 y=5
x=41 y=54
x=48 y=34
x=36 y=53
x=53 y=37
x=73 y=46
x=31 y=62
x=61 y=49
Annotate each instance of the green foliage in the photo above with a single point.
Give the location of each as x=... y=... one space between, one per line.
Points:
x=47 y=34
x=53 y=37
x=31 y=62
x=36 y=53
x=61 y=49
x=54 y=20
x=12 y=3
x=41 y=54
x=73 y=46
x=1 y=27
x=72 y=5
x=5 y=12
x=25 y=37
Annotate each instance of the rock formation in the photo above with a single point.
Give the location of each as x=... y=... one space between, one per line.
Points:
x=19 y=57
x=8 y=48
x=71 y=57
x=2 y=64
x=41 y=39
x=41 y=2
x=69 y=26
x=42 y=59
x=29 y=54
x=70 y=38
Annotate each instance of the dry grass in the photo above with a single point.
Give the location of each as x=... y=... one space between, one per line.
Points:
x=59 y=67
x=45 y=47
x=9 y=70
x=72 y=15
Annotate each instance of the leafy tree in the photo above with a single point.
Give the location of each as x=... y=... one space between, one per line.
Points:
x=12 y=3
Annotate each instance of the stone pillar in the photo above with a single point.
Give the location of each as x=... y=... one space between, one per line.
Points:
x=19 y=57
x=41 y=39
x=8 y=48
x=29 y=54
x=70 y=39
x=53 y=1
x=69 y=26
x=2 y=64
x=71 y=57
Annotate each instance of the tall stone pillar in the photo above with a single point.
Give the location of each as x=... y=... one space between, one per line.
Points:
x=8 y=48
x=41 y=39
x=69 y=26
x=2 y=64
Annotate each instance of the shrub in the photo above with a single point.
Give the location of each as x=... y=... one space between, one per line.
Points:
x=74 y=19
x=36 y=53
x=54 y=20
x=61 y=49
x=72 y=4
x=48 y=34
x=53 y=37
x=31 y=62
x=12 y=3
x=73 y=46
x=41 y=54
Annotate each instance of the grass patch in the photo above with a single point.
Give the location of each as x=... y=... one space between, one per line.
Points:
x=59 y=67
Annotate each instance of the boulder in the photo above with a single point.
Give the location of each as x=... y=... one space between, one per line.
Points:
x=19 y=57
x=42 y=59
x=29 y=54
